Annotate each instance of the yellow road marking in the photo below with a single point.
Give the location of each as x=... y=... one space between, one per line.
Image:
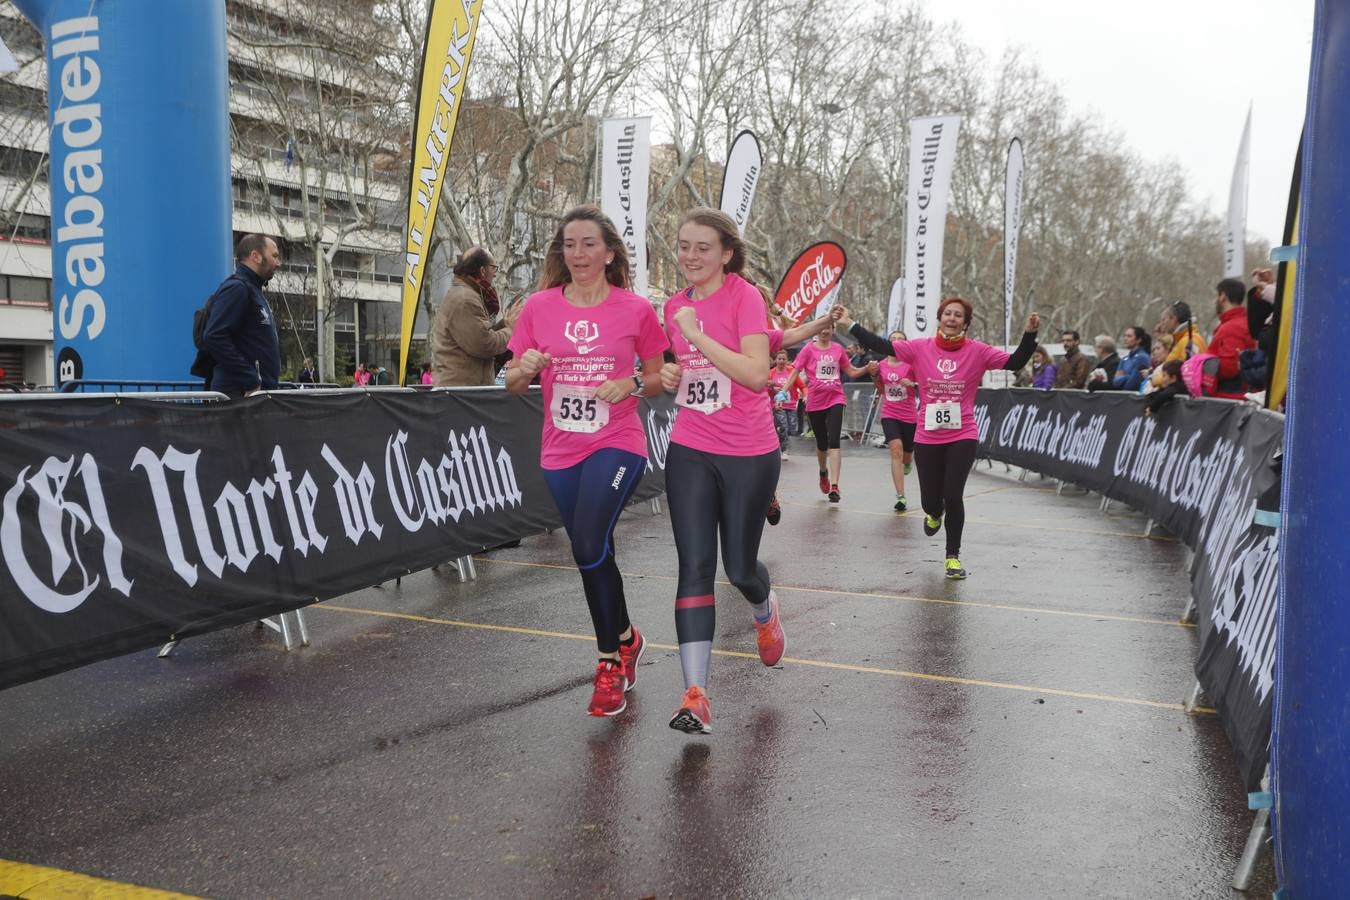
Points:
x=816 y=663
x=916 y=511
x=1172 y=623
x=40 y=883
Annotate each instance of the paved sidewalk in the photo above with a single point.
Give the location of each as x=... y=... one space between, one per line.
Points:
x=1018 y=734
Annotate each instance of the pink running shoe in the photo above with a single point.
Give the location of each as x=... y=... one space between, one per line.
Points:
x=695 y=713
x=770 y=635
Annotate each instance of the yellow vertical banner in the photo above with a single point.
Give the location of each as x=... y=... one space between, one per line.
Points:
x=1286 y=285
x=451 y=28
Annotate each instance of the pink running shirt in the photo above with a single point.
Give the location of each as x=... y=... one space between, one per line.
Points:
x=897 y=401
x=948 y=376
x=824 y=375
x=781 y=382
x=745 y=427
x=589 y=346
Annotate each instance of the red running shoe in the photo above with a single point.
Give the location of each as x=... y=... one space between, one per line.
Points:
x=824 y=482
x=630 y=656
x=608 y=698
x=775 y=512
x=770 y=635
x=695 y=714
x=834 y=493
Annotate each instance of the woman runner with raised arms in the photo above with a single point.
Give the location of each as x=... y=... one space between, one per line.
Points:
x=722 y=466
x=581 y=332
x=948 y=368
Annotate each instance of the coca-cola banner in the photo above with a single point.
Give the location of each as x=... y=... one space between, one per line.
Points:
x=814 y=275
x=740 y=177
x=1200 y=469
x=625 y=163
x=124 y=523
x=932 y=155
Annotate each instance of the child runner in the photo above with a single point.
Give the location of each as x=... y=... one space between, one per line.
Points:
x=581 y=332
x=949 y=367
x=723 y=462
x=822 y=361
x=899 y=416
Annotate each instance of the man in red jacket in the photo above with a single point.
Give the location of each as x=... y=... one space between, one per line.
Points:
x=1231 y=337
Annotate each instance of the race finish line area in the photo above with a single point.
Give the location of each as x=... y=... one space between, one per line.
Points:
x=1020 y=733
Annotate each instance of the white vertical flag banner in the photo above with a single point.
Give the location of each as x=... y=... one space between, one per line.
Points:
x=932 y=155
x=895 y=310
x=625 y=161
x=7 y=61
x=1012 y=224
x=740 y=177
x=1235 y=240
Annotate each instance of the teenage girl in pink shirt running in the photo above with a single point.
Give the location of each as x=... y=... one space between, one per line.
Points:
x=722 y=466
x=580 y=334
x=948 y=368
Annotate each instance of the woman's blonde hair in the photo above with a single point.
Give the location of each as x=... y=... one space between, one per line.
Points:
x=555 y=267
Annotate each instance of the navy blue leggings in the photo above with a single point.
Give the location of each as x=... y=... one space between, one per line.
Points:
x=590 y=496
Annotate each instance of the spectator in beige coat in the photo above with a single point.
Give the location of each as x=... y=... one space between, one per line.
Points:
x=466 y=334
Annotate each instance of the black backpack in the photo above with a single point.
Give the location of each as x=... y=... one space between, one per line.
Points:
x=204 y=366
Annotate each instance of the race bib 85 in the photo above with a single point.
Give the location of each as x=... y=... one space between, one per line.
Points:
x=942 y=416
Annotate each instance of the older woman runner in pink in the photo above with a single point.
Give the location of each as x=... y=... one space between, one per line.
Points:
x=722 y=466
x=823 y=362
x=581 y=333
x=948 y=368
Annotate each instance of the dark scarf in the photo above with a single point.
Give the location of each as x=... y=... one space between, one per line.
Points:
x=947 y=343
x=488 y=293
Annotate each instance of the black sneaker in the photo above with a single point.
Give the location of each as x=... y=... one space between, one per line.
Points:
x=834 y=493
x=900 y=505
x=932 y=526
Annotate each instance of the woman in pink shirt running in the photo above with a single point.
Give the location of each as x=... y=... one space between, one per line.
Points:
x=948 y=368
x=722 y=466
x=580 y=334
x=823 y=362
x=899 y=415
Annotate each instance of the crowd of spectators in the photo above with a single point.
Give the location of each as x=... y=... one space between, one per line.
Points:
x=1175 y=356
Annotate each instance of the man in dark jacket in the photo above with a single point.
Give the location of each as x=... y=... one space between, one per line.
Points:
x=1100 y=378
x=240 y=334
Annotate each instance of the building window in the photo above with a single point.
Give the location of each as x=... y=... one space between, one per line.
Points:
x=22 y=291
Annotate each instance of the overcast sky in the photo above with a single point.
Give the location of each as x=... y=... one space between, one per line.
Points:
x=1174 y=77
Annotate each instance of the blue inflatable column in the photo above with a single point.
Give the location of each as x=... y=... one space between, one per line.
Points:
x=1312 y=683
x=140 y=179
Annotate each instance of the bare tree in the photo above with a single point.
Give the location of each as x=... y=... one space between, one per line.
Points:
x=314 y=129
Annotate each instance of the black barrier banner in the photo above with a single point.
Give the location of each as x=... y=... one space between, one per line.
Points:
x=126 y=522
x=1197 y=468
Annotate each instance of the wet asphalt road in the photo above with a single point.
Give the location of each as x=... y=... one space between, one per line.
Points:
x=1015 y=735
